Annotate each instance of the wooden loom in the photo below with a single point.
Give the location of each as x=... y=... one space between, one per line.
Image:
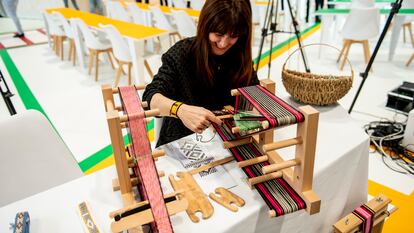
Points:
x=134 y=214
x=352 y=223
x=298 y=172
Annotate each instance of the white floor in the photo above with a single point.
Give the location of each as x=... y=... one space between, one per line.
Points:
x=73 y=101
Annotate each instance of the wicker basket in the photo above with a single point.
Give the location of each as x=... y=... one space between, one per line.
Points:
x=314 y=88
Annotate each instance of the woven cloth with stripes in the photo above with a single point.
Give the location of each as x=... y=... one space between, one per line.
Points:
x=259 y=103
x=149 y=187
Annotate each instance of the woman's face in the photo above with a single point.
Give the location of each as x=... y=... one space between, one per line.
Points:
x=221 y=43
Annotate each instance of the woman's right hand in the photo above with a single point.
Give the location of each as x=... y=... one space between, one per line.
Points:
x=197 y=119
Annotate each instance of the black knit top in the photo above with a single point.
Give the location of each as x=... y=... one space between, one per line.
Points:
x=178 y=80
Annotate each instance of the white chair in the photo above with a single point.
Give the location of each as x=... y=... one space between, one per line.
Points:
x=356 y=32
x=161 y=21
x=69 y=34
x=33 y=157
x=362 y=3
x=117 y=11
x=139 y=16
x=185 y=24
x=56 y=33
x=197 y=4
x=179 y=4
x=94 y=45
x=122 y=53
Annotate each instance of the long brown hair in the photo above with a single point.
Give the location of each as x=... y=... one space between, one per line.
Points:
x=225 y=16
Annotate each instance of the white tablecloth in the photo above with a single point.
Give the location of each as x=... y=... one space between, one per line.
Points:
x=340 y=179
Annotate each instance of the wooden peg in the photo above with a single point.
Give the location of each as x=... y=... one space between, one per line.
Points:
x=149 y=113
x=137 y=87
x=279 y=166
x=144 y=104
x=282 y=144
x=238 y=142
x=265 y=125
x=264 y=178
x=234 y=92
x=227 y=198
x=210 y=165
x=116 y=187
x=253 y=161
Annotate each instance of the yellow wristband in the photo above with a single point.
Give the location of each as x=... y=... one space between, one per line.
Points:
x=174 y=108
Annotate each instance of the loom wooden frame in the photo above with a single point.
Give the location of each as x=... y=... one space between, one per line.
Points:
x=297 y=172
x=125 y=182
x=352 y=224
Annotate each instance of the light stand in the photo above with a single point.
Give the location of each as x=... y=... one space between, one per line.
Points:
x=394 y=10
x=272 y=25
x=6 y=94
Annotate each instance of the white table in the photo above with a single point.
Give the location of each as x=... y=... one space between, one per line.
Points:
x=340 y=179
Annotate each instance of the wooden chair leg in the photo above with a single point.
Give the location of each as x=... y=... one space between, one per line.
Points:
x=148 y=69
x=129 y=73
x=96 y=65
x=91 y=56
x=70 y=50
x=61 y=47
x=403 y=29
x=348 y=46
x=54 y=43
x=118 y=74
x=74 y=54
x=410 y=60
x=410 y=31
x=366 y=51
x=342 y=51
x=110 y=58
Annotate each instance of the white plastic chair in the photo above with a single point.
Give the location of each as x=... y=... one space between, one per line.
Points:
x=197 y=4
x=117 y=11
x=122 y=53
x=161 y=21
x=356 y=32
x=185 y=24
x=362 y=3
x=56 y=33
x=139 y=16
x=69 y=34
x=33 y=157
x=179 y=4
x=94 y=45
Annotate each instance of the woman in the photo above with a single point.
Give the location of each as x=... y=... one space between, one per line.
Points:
x=198 y=73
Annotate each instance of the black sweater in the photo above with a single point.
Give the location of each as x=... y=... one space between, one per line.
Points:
x=177 y=79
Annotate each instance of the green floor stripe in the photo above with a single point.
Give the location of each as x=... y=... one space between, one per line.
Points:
x=100 y=155
x=279 y=46
x=28 y=99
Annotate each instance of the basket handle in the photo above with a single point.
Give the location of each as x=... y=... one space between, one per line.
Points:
x=347 y=60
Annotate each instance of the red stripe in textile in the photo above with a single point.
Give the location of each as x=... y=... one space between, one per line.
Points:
x=292 y=193
x=146 y=167
x=41 y=31
x=27 y=41
x=274 y=204
x=272 y=121
x=2 y=46
x=299 y=116
x=367 y=215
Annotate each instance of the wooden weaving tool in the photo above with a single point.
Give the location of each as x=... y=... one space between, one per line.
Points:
x=369 y=218
x=285 y=186
x=197 y=200
x=154 y=208
x=226 y=198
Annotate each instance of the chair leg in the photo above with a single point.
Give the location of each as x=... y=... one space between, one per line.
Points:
x=96 y=65
x=118 y=73
x=129 y=73
x=61 y=47
x=148 y=69
x=348 y=46
x=403 y=29
x=366 y=51
x=74 y=53
x=342 y=51
x=410 y=60
x=91 y=56
x=110 y=58
x=410 y=31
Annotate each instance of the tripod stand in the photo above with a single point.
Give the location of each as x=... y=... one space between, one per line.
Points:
x=394 y=10
x=270 y=23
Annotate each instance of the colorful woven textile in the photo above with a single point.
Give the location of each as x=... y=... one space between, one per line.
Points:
x=366 y=215
x=275 y=110
x=277 y=194
x=150 y=188
x=259 y=101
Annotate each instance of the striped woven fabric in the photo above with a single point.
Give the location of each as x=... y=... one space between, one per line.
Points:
x=275 y=110
x=366 y=215
x=277 y=194
x=150 y=188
